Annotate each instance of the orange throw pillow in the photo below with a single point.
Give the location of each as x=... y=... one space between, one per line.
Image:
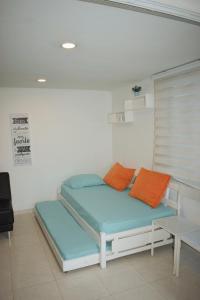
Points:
x=119 y=177
x=150 y=187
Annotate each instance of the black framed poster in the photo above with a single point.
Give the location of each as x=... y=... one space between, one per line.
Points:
x=21 y=143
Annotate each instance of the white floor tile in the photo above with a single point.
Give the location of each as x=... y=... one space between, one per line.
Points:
x=120 y=278
x=29 y=265
x=5 y=284
x=47 y=291
x=143 y=293
x=29 y=270
x=84 y=287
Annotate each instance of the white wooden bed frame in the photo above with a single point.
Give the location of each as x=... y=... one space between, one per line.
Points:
x=122 y=243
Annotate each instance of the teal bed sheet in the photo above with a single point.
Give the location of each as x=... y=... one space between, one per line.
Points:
x=110 y=211
x=71 y=240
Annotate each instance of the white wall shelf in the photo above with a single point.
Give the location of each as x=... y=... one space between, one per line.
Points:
x=121 y=117
x=139 y=103
x=142 y=102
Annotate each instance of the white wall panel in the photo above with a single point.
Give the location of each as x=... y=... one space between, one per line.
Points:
x=69 y=135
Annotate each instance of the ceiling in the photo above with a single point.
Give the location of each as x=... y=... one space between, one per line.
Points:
x=114 y=46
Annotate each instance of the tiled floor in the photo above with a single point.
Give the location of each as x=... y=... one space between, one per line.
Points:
x=28 y=270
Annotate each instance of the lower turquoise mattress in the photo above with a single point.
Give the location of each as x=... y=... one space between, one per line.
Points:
x=71 y=240
x=110 y=211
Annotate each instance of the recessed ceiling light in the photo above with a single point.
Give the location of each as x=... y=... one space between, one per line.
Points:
x=41 y=80
x=68 y=45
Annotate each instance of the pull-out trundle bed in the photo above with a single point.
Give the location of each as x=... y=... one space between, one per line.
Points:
x=117 y=221
x=96 y=224
x=72 y=245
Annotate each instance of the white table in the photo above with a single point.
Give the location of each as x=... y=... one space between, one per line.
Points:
x=182 y=229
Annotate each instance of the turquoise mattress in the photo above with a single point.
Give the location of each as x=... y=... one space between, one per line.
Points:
x=71 y=240
x=110 y=211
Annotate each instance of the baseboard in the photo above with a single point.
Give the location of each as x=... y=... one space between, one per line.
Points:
x=23 y=211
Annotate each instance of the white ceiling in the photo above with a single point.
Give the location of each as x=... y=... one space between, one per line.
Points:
x=115 y=46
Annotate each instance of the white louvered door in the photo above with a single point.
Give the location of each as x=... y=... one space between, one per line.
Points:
x=177 y=125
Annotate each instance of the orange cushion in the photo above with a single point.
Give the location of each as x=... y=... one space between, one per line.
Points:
x=119 y=177
x=150 y=187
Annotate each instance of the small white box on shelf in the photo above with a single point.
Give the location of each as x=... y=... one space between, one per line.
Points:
x=121 y=117
x=118 y=117
x=139 y=102
x=134 y=104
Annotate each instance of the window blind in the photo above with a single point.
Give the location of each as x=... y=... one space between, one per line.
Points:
x=177 y=125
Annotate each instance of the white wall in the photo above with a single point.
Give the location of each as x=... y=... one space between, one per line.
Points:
x=69 y=135
x=133 y=142
x=133 y=145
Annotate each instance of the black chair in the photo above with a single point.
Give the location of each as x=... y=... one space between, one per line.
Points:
x=6 y=210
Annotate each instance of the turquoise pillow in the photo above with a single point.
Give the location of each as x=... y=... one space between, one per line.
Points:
x=82 y=180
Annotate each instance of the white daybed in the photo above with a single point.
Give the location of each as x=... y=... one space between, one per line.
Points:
x=101 y=212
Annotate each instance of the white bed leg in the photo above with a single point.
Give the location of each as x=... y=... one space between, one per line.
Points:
x=177 y=255
x=152 y=240
x=103 y=250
